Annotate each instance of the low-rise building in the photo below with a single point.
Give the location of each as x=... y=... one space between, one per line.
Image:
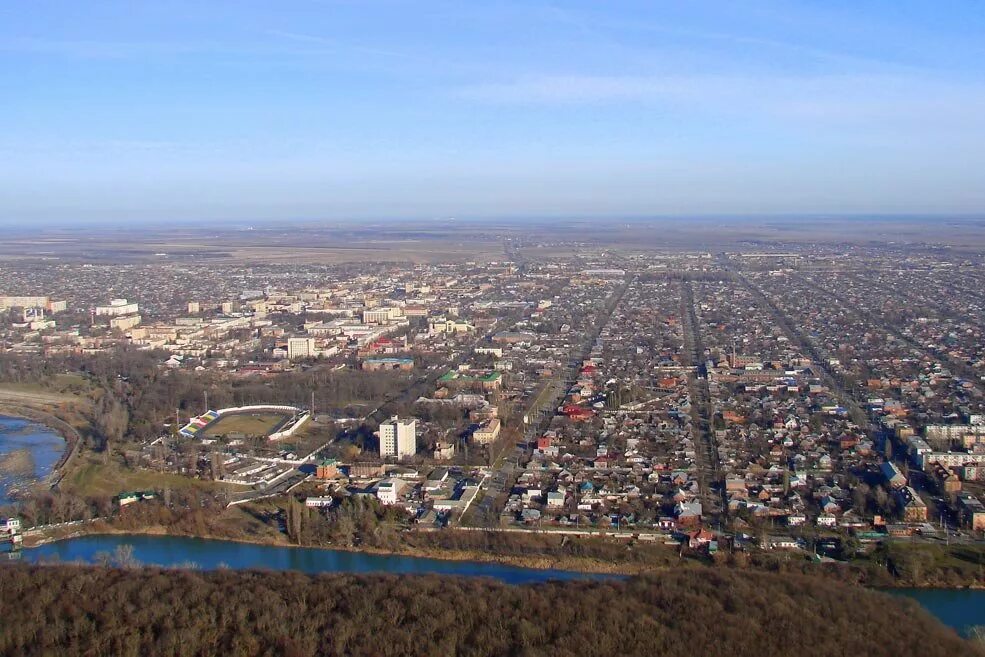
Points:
x=488 y=432
x=388 y=491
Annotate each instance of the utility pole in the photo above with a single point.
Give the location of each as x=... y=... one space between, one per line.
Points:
x=206 y=401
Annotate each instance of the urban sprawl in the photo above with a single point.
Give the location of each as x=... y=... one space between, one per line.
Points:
x=803 y=400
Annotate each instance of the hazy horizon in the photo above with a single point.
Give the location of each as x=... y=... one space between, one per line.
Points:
x=246 y=224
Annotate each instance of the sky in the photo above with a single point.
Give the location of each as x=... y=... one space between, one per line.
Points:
x=355 y=109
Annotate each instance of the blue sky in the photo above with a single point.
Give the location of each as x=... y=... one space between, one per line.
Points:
x=254 y=110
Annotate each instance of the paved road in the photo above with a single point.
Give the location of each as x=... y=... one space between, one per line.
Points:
x=710 y=479
x=504 y=476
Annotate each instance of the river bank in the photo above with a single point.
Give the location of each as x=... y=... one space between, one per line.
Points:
x=566 y=563
x=55 y=425
x=961 y=609
x=844 y=572
x=209 y=554
x=30 y=451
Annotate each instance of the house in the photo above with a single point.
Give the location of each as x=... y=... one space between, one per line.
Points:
x=136 y=496
x=436 y=479
x=327 y=469
x=577 y=413
x=796 y=519
x=388 y=490
x=914 y=508
x=781 y=543
x=852 y=520
x=444 y=451
x=667 y=523
x=827 y=520
x=555 y=499
x=688 y=513
x=487 y=433
x=972 y=511
x=699 y=538
x=10 y=525
x=892 y=475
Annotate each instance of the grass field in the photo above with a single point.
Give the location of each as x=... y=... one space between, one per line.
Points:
x=92 y=477
x=64 y=389
x=259 y=424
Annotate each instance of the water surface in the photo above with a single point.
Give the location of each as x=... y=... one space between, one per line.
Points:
x=958 y=608
x=28 y=453
x=211 y=554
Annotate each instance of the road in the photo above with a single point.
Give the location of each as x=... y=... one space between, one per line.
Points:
x=505 y=474
x=710 y=479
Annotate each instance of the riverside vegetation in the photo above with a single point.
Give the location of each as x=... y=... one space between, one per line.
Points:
x=76 y=610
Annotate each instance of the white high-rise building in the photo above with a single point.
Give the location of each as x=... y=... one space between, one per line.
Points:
x=299 y=348
x=398 y=437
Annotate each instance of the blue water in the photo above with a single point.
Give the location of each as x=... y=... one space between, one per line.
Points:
x=42 y=445
x=957 y=608
x=211 y=554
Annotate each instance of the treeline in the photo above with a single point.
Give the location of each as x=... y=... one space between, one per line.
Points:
x=133 y=395
x=362 y=521
x=76 y=610
x=355 y=521
x=180 y=511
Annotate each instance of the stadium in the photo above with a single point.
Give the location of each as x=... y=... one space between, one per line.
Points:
x=274 y=422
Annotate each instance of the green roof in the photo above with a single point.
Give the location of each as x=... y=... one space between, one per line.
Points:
x=482 y=378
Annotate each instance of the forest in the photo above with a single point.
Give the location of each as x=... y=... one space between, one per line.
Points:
x=127 y=611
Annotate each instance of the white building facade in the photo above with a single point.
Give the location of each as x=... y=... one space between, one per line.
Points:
x=398 y=438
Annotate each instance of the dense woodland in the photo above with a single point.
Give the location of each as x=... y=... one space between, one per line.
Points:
x=75 y=610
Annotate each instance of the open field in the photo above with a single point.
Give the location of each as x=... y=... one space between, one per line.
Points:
x=473 y=240
x=60 y=392
x=91 y=477
x=259 y=424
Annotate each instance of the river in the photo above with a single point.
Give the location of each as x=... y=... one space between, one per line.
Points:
x=28 y=453
x=959 y=608
x=212 y=554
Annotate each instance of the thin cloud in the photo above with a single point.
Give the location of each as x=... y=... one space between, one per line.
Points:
x=833 y=98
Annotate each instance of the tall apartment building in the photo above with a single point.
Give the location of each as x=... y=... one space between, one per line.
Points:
x=398 y=437
x=300 y=348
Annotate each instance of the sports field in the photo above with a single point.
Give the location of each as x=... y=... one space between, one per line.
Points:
x=249 y=424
